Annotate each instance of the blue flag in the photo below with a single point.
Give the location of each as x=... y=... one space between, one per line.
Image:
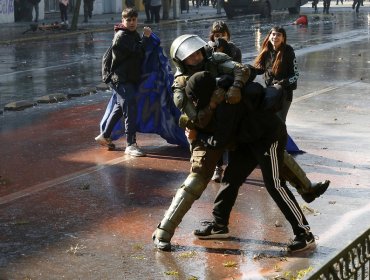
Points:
x=156 y=111
x=291 y=147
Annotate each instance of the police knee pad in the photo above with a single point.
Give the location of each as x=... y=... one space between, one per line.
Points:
x=185 y=196
x=195 y=184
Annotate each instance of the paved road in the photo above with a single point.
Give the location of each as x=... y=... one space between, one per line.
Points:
x=70 y=209
x=69 y=62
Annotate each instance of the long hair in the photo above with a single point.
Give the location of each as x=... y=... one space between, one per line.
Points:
x=267 y=47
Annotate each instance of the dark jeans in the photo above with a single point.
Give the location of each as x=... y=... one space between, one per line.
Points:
x=154 y=11
x=88 y=8
x=326 y=6
x=63 y=12
x=147 y=11
x=125 y=107
x=356 y=4
x=36 y=7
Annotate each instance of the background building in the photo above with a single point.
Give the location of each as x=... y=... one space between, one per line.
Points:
x=21 y=10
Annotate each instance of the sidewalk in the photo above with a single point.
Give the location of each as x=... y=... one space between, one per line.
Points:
x=13 y=32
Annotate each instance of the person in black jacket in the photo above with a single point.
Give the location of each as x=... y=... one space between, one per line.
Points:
x=128 y=50
x=220 y=40
x=278 y=63
x=260 y=140
x=191 y=55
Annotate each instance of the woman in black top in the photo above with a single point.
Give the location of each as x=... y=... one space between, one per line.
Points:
x=278 y=63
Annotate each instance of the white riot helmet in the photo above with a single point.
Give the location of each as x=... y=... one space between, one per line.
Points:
x=183 y=46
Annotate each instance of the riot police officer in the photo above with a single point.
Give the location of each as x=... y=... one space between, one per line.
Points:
x=191 y=55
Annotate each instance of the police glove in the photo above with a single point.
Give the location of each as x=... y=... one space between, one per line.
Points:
x=185 y=122
x=233 y=95
x=218 y=96
x=204 y=117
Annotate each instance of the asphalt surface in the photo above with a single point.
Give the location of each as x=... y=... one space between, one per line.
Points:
x=73 y=210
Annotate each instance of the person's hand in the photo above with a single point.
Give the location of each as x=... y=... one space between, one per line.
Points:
x=217 y=97
x=252 y=73
x=147 y=31
x=191 y=134
x=276 y=82
x=233 y=95
x=219 y=44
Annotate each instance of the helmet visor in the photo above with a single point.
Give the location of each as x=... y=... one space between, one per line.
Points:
x=187 y=46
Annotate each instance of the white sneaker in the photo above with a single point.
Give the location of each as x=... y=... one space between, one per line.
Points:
x=66 y=22
x=134 y=150
x=107 y=142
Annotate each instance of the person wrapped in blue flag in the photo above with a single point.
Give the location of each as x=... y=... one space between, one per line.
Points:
x=140 y=80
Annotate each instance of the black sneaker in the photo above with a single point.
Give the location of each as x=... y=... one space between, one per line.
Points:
x=302 y=242
x=317 y=190
x=212 y=231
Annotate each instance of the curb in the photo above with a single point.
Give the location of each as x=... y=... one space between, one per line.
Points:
x=97 y=27
x=52 y=98
x=60 y=97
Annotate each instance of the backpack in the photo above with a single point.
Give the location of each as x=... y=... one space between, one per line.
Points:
x=106 y=67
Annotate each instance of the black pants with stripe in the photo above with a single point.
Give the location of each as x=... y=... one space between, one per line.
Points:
x=242 y=161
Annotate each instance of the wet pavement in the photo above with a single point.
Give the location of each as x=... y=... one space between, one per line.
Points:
x=41 y=63
x=70 y=209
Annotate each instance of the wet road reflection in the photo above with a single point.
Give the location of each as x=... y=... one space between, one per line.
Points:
x=72 y=209
x=67 y=65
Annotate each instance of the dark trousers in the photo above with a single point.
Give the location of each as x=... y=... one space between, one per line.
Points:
x=147 y=11
x=356 y=3
x=88 y=8
x=242 y=161
x=326 y=6
x=125 y=107
x=154 y=11
x=63 y=12
x=36 y=7
x=314 y=4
